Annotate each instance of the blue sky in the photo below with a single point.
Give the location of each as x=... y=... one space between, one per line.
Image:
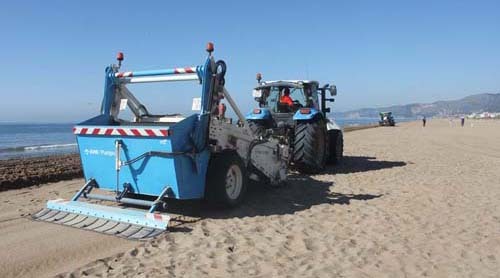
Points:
x=53 y=53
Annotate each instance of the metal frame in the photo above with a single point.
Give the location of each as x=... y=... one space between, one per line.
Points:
x=91 y=184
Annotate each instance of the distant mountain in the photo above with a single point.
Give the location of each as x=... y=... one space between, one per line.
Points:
x=471 y=104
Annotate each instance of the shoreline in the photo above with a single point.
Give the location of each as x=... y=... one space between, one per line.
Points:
x=18 y=173
x=351 y=128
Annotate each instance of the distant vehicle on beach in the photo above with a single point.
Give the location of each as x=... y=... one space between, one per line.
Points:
x=386 y=119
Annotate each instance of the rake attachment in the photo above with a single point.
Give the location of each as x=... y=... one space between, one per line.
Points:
x=125 y=223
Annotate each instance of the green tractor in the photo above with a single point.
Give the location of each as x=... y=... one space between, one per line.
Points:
x=296 y=110
x=386 y=119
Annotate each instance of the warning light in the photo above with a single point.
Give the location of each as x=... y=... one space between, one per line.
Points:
x=210 y=47
x=119 y=56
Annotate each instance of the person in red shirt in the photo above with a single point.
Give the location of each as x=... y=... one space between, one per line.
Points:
x=285 y=98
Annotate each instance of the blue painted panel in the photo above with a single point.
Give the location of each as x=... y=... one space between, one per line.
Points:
x=300 y=117
x=264 y=114
x=150 y=175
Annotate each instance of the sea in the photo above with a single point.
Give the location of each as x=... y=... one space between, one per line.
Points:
x=28 y=140
x=19 y=140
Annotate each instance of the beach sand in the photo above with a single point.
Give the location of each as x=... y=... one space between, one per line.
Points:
x=407 y=202
x=38 y=249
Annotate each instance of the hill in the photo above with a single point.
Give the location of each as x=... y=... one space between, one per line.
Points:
x=467 y=105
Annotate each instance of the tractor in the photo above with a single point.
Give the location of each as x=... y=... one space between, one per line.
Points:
x=297 y=111
x=386 y=119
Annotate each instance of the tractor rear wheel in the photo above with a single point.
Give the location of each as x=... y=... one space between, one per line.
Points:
x=226 y=180
x=336 y=141
x=310 y=147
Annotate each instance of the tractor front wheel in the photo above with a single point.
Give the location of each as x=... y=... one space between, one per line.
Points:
x=310 y=147
x=336 y=141
x=226 y=180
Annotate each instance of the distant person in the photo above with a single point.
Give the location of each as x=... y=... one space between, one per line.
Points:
x=424 y=121
x=462 y=121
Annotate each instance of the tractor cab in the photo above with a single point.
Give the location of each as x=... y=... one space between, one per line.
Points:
x=290 y=100
x=296 y=111
x=272 y=96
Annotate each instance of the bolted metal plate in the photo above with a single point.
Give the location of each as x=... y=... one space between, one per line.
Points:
x=100 y=225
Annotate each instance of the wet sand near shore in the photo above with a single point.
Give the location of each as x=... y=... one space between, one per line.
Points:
x=407 y=201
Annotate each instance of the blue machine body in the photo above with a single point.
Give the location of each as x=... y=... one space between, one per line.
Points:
x=148 y=156
x=183 y=172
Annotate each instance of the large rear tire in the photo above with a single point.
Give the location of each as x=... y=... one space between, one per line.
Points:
x=226 y=180
x=310 y=146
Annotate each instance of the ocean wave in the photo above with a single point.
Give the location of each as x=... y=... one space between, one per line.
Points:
x=56 y=146
x=37 y=147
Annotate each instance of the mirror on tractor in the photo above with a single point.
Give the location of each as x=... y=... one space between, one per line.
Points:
x=257 y=95
x=333 y=90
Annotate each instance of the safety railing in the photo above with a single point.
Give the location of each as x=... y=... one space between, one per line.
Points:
x=163 y=75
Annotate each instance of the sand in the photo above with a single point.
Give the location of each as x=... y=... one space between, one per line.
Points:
x=37 y=249
x=407 y=202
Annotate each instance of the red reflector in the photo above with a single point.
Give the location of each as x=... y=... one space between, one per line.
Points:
x=257 y=111
x=119 y=56
x=305 y=110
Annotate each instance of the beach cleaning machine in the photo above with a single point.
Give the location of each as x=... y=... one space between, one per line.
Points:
x=149 y=159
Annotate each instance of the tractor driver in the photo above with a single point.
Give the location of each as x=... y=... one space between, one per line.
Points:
x=286 y=99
